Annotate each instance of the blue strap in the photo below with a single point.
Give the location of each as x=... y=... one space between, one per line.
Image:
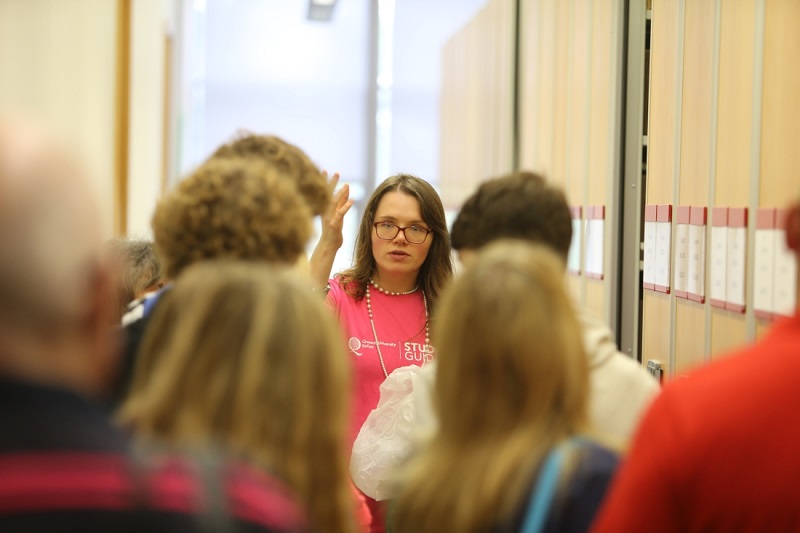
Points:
x=151 y=300
x=544 y=491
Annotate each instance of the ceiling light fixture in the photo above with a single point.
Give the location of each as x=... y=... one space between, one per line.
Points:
x=321 y=10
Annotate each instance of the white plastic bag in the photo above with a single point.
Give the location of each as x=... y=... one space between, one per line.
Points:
x=387 y=436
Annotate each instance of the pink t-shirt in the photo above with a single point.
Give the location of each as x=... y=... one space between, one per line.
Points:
x=400 y=325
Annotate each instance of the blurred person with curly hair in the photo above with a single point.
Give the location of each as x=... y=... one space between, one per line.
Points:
x=232 y=208
x=288 y=159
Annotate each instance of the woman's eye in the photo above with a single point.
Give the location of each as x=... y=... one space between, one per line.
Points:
x=387 y=225
x=417 y=229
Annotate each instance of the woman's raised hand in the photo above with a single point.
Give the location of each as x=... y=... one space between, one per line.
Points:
x=333 y=217
x=331 y=237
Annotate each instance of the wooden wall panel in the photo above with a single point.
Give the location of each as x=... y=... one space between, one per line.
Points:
x=561 y=91
x=734 y=139
x=663 y=115
x=780 y=126
x=601 y=145
x=547 y=86
x=505 y=62
x=579 y=54
x=656 y=329
x=690 y=335
x=735 y=101
x=657 y=309
x=530 y=84
x=595 y=301
x=696 y=124
x=477 y=134
x=575 y=285
x=762 y=327
x=695 y=162
x=727 y=332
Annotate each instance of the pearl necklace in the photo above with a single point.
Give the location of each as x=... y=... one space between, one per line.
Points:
x=372 y=321
x=390 y=293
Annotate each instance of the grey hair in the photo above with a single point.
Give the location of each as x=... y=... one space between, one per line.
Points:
x=142 y=267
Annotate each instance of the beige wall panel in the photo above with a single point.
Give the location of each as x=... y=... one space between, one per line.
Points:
x=575 y=286
x=663 y=115
x=735 y=101
x=656 y=308
x=595 y=298
x=529 y=112
x=478 y=135
x=504 y=59
x=696 y=125
x=601 y=146
x=690 y=334
x=475 y=93
x=762 y=327
x=561 y=101
x=577 y=148
x=728 y=331
x=780 y=127
x=448 y=164
x=547 y=85
x=655 y=338
x=696 y=153
x=484 y=72
x=58 y=64
x=149 y=106
x=734 y=139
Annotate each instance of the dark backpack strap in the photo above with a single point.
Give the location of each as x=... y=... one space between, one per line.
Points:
x=544 y=492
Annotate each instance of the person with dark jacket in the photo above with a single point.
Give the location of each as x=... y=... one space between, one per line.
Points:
x=64 y=467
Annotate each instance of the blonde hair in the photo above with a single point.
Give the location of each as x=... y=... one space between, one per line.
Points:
x=233 y=208
x=246 y=357
x=512 y=381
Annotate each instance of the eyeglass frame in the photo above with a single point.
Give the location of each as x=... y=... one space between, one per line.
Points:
x=403 y=229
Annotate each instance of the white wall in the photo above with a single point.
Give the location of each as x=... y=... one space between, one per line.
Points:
x=151 y=22
x=57 y=63
x=270 y=70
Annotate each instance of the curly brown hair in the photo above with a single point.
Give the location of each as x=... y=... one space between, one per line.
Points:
x=287 y=158
x=231 y=208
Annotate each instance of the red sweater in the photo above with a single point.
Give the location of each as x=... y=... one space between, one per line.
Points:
x=719 y=450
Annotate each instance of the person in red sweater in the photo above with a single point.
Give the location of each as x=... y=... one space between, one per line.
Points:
x=718 y=451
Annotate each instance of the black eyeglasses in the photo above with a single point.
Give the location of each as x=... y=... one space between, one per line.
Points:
x=388 y=231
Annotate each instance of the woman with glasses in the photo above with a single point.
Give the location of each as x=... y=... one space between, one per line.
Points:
x=385 y=300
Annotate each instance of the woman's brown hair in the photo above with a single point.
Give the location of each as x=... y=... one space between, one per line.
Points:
x=436 y=270
x=244 y=356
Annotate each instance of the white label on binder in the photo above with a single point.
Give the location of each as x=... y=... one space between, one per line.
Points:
x=737 y=255
x=697 y=260
x=719 y=262
x=763 y=276
x=663 y=243
x=785 y=281
x=650 y=252
x=682 y=257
